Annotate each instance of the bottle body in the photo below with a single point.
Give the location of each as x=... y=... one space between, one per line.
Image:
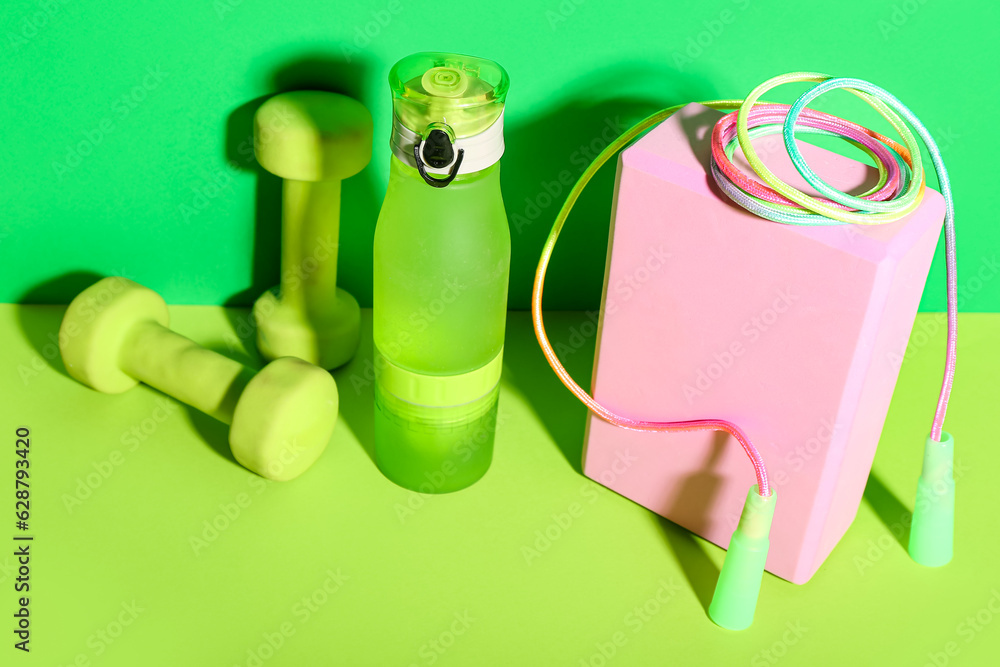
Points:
x=441 y=268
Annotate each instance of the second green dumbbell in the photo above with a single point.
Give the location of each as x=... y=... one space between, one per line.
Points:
x=313 y=140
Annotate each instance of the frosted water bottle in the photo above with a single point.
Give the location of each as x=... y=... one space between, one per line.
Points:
x=442 y=260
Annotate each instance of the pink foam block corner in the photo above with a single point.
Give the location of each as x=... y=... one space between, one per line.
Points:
x=794 y=333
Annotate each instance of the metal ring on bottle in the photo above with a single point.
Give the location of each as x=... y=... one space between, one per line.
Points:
x=430 y=180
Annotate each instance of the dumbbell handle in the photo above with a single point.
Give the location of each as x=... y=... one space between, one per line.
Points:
x=179 y=367
x=310 y=222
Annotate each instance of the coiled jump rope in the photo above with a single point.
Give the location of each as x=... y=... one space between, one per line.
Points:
x=898 y=192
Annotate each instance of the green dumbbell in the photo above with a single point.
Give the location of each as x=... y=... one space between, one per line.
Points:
x=114 y=335
x=313 y=140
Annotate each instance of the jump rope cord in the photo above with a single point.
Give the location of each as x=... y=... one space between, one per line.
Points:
x=867 y=212
x=897 y=193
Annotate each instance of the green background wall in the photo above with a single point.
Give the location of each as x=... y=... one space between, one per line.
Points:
x=126 y=124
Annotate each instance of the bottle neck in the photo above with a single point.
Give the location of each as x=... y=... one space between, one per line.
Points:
x=401 y=169
x=480 y=150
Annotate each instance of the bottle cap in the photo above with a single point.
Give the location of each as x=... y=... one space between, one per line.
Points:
x=450 y=109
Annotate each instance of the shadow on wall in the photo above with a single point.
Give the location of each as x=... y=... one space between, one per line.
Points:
x=359 y=201
x=541 y=163
x=545 y=156
x=41 y=325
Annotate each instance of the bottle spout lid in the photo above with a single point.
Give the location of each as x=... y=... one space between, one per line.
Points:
x=448 y=95
x=463 y=92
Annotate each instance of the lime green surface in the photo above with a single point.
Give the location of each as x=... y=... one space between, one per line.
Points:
x=127 y=125
x=116 y=333
x=141 y=517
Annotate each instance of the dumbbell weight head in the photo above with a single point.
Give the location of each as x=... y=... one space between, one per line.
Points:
x=283 y=418
x=313 y=135
x=328 y=339
x=97 y=324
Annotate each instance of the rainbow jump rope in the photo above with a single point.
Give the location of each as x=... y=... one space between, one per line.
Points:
x=897 y=193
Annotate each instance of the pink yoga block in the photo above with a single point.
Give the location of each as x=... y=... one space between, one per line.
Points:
x=794 y=333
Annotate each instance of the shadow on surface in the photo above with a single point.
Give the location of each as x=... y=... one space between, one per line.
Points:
x=700 y=488
x=214 y=432
x=890 y=510
x=40 y=326
x=698 y=569
x=359 y=202
x=241 y=343
x=355 y=384
x=527 y=372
